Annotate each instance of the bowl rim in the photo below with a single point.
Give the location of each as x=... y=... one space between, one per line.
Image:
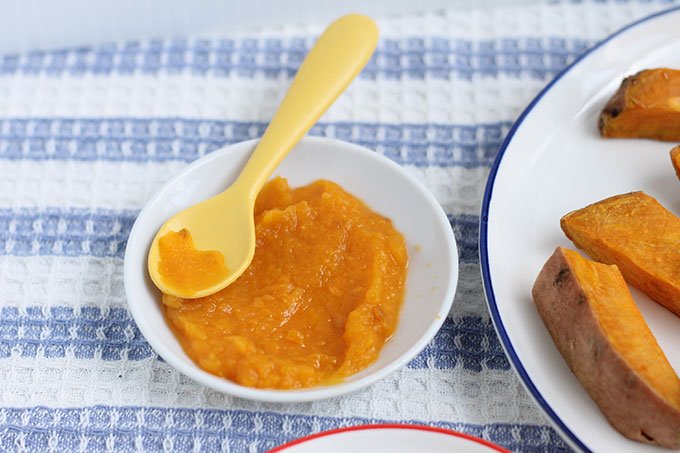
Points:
x=313 y=393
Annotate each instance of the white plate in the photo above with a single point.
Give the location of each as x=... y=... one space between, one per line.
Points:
x=385 y=187
x=554 y=161
x=389 y=438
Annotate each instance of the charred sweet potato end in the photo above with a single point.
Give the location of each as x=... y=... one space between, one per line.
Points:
x=615 y=106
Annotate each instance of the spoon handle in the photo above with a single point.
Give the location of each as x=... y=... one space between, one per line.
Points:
x=338 y=56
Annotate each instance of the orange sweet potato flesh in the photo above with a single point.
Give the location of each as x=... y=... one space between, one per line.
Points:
x=647 y=105
x=637 y=234
x=675 y=160
x=598 y=329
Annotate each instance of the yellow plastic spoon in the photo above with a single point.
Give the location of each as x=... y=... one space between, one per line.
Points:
x=225 y=223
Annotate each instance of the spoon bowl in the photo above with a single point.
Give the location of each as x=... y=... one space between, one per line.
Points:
x=224 y=222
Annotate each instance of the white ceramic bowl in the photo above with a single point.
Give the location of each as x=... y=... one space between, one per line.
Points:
x=383 y=185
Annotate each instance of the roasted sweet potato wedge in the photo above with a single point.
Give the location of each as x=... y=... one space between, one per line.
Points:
x=606 y=342
x=647 y=105
x=675 y=159
x=637 y=234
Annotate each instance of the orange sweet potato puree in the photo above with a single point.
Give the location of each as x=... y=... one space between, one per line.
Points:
x=185 y=268
x=318 y=302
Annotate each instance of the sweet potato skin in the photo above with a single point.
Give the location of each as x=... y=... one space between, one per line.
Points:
x=637 y=234
x=643 y=409
x=675 y=160
x=646 y=105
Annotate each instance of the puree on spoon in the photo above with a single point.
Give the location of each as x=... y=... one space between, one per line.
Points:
x=318 y=302
x=184 y=267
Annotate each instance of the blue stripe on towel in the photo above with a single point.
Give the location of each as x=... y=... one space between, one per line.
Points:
x=111 y=335
x=103 y=233
x=411 y=58
x=157 y=429
x=87 y=333
x=466 y=230
x=65 y=232
x=174 y=139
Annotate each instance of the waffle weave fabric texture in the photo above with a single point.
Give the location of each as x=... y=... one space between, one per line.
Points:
x=87 y=135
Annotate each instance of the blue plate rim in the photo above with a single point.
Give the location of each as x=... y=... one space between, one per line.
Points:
x=483 y=230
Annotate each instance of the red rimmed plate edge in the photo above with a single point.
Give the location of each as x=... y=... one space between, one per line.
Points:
x=435 y=429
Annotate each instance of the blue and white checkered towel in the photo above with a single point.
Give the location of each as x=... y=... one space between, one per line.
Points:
x=87 y=135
